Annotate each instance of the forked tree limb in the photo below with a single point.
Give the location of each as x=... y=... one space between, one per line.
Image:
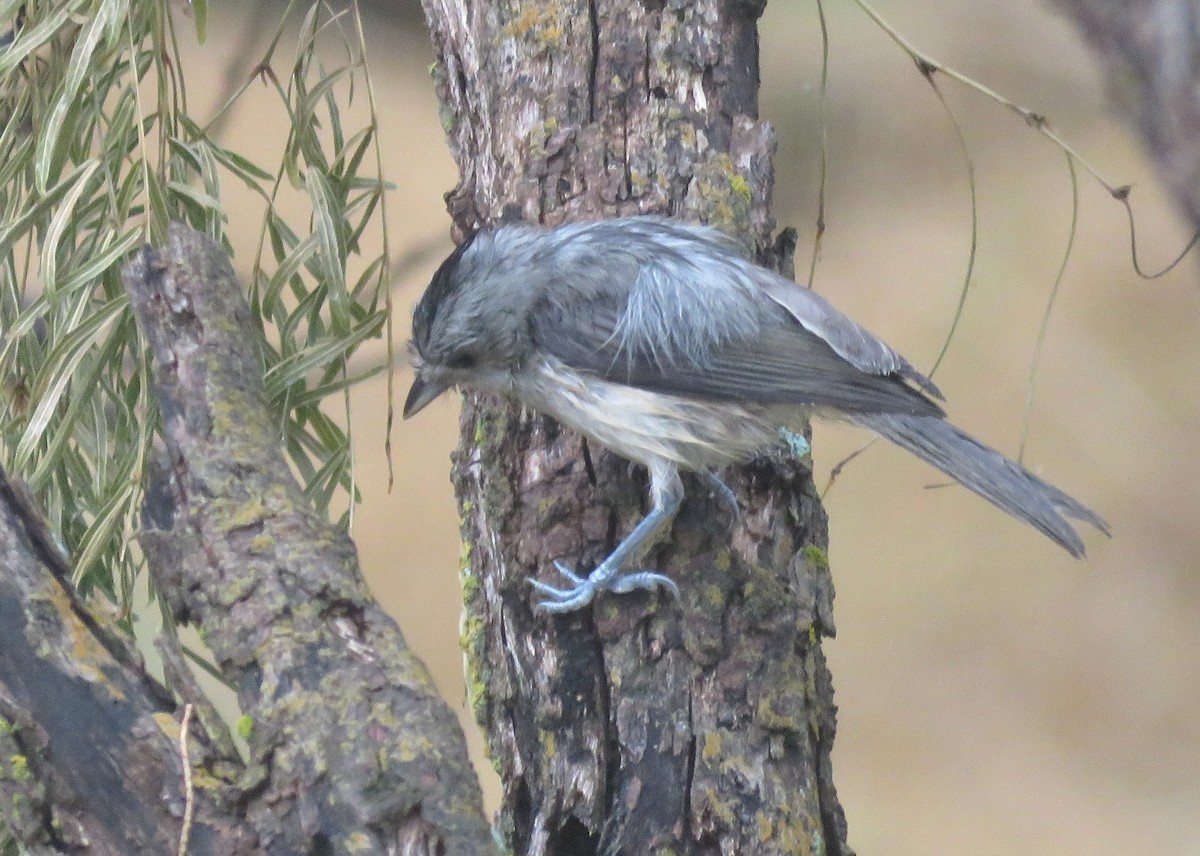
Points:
x=87 y=739
x=351 y=749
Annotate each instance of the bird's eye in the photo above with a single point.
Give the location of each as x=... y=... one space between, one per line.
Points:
x=461 y=361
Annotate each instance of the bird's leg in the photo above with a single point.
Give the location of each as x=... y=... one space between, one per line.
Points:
x=666 y=492
x=718 y=488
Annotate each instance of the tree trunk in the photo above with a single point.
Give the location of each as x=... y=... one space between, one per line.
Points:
x=643 y=725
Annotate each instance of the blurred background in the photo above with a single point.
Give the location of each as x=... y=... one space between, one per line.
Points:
x=995 y=696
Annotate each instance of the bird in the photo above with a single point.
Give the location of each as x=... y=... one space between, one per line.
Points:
x=662 y=341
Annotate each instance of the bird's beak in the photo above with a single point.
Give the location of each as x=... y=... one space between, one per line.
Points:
x=421 y=393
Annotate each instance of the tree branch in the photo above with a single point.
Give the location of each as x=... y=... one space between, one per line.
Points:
x=351 y=747
x=1150 y=52
x=87 y=739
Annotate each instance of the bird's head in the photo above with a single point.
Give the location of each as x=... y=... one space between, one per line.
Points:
x=470 y=326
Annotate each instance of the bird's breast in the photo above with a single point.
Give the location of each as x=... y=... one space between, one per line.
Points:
x=641 y=425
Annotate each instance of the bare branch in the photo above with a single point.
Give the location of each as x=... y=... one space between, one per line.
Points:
x=1149 y=52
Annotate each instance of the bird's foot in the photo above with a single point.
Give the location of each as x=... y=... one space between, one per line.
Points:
x=606 y=577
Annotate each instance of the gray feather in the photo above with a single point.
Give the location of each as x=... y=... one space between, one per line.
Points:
x=780 y=364
x=1001 y=481
x=852 y=342
x=661 y=340
x=674 y=308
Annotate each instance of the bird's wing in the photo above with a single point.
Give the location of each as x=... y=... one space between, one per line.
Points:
x=785 y=361
x=854 y=343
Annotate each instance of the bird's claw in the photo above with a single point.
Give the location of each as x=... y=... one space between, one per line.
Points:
x=713 y=482
x=644 y=580
x=582 y=590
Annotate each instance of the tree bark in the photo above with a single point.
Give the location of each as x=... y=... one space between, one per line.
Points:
x=350 y=748
x=644 y=725
x=88 y=754
x=1150 y=53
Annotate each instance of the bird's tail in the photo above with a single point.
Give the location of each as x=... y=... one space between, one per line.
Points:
x=1001 y=481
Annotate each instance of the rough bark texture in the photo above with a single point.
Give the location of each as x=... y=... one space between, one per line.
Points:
x=89 y=760
x=351 y=748
x=643 y=725
x=1150 y=52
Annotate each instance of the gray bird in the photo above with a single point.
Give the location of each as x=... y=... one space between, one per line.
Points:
x=659 y=340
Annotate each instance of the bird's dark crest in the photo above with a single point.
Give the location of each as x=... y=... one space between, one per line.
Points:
x=443 y=284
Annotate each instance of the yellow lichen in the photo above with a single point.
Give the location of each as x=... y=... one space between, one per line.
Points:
x=711 y=749
x=19 y=768
x=817 y=558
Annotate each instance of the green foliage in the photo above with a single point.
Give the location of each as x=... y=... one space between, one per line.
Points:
x=98 y=153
